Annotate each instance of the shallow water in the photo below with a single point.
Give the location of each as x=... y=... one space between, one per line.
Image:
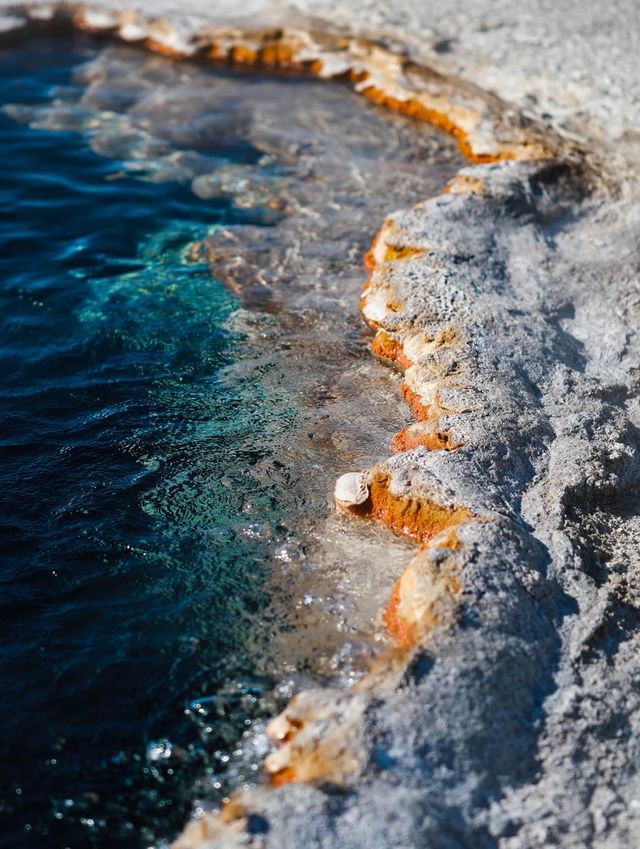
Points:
x=172 y=565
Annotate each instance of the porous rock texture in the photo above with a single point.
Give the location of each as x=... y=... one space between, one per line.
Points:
x=508 y=713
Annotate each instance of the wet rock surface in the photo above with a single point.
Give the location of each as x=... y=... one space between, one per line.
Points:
x=517 y=726
x=513 y=721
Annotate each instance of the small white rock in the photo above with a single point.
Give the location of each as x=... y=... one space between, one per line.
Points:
x=96 y=20
x=352 y=489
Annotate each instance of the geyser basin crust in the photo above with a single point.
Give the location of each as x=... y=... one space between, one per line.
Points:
x=505 y=714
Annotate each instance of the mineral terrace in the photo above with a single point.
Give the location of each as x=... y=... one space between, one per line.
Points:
x=506 y=712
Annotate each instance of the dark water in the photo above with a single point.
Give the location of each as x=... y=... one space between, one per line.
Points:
x=163 y=445
x=128 y=580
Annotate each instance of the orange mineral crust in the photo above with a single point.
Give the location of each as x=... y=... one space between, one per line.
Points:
x=319 y=738
x=371 y=258
x=419 y=518
x=477 y=121
x=400 y=252
x=425 y=434
x=161 y=48
x=459 y=121
x=389 y=347
x=421 y=410
x=465 y=184
x=440 y=118
x=423 y=598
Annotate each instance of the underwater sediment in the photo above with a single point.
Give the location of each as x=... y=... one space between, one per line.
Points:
x=504 y=711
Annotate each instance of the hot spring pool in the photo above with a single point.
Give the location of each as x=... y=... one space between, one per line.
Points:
x=172 y=566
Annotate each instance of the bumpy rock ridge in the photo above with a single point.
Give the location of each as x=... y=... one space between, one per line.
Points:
x=476 y=734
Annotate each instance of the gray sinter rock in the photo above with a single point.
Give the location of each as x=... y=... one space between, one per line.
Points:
x=519 y=727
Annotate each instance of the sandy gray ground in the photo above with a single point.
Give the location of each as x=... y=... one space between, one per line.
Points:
x=519 y=728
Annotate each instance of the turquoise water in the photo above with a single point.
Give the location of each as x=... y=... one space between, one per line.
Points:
x=129 y=581
x=172 y=566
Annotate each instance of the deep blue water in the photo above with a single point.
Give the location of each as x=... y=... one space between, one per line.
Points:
x=129 y=584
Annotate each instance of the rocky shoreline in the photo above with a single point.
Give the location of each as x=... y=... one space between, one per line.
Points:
x=506 y=714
